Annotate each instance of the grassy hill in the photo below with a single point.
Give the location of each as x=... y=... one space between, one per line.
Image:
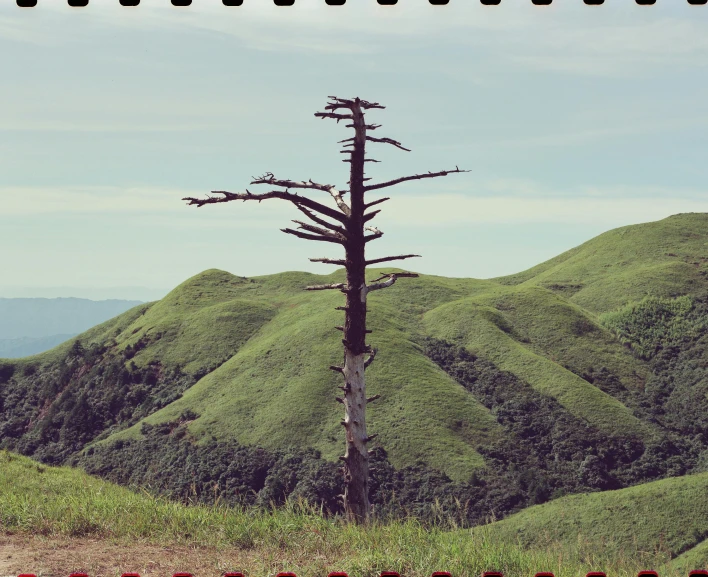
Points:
x=664 y=258
x=246 y=359
x=540 y=337
x=662 y=517
x=53 y=502
x=695 y=558
x=277 y=390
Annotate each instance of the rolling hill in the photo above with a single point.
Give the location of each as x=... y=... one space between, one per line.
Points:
x=662 y=517
x=244 y=361
x=664 y=258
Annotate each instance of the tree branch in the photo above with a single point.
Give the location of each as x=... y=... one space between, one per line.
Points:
x=337 y=196
x=368 y=105
x=268 y=178
x=318 y=220
x=329 y=261
x=389 y=258
x=285 y=195
x=398 y=274
x=370 y=215
x=349 y=103
x=367 y=126
x=380 y=200
x=311 y=236
x=322 y=231
x=377 y=233
x=391 y=279
x=372 y=355
x=414 y=177
x=388 y=141
x=322 y=287
x=337 y=117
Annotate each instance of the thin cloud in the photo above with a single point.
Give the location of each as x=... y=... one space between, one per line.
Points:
x=82 y=126
x=495 y=201
x=565 y=39
x=151 y=205
x=455 y=209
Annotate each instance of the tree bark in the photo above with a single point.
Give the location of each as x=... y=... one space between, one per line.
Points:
x=356 y=458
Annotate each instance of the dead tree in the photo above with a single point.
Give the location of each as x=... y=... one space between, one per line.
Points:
x=347 y=226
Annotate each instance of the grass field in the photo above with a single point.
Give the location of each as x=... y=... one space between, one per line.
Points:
x=64 y=503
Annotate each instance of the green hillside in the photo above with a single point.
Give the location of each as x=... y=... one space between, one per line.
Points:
x=664 y=258
x=245 y=361
x=695 y=558
x=662 y=517
x=533 y=333
x=277 y=390
x=199 y=325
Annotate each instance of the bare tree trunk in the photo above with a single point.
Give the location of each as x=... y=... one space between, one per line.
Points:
x=348 y=230
x=356 y=458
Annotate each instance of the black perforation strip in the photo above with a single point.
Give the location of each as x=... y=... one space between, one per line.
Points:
x=185 y=3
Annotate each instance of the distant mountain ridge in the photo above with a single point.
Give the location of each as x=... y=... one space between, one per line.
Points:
x=27 y=346
x=43 y=317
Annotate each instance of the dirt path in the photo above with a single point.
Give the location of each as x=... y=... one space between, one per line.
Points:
x=57 y=557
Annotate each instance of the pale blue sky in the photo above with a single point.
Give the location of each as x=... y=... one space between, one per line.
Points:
x=573 y=120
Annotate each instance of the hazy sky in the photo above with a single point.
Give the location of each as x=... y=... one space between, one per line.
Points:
x=573 y=119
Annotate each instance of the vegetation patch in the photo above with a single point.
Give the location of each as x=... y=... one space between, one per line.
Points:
x=64 y=502
x=651 y=323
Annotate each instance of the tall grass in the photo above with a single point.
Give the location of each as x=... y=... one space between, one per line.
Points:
x=40 y=500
